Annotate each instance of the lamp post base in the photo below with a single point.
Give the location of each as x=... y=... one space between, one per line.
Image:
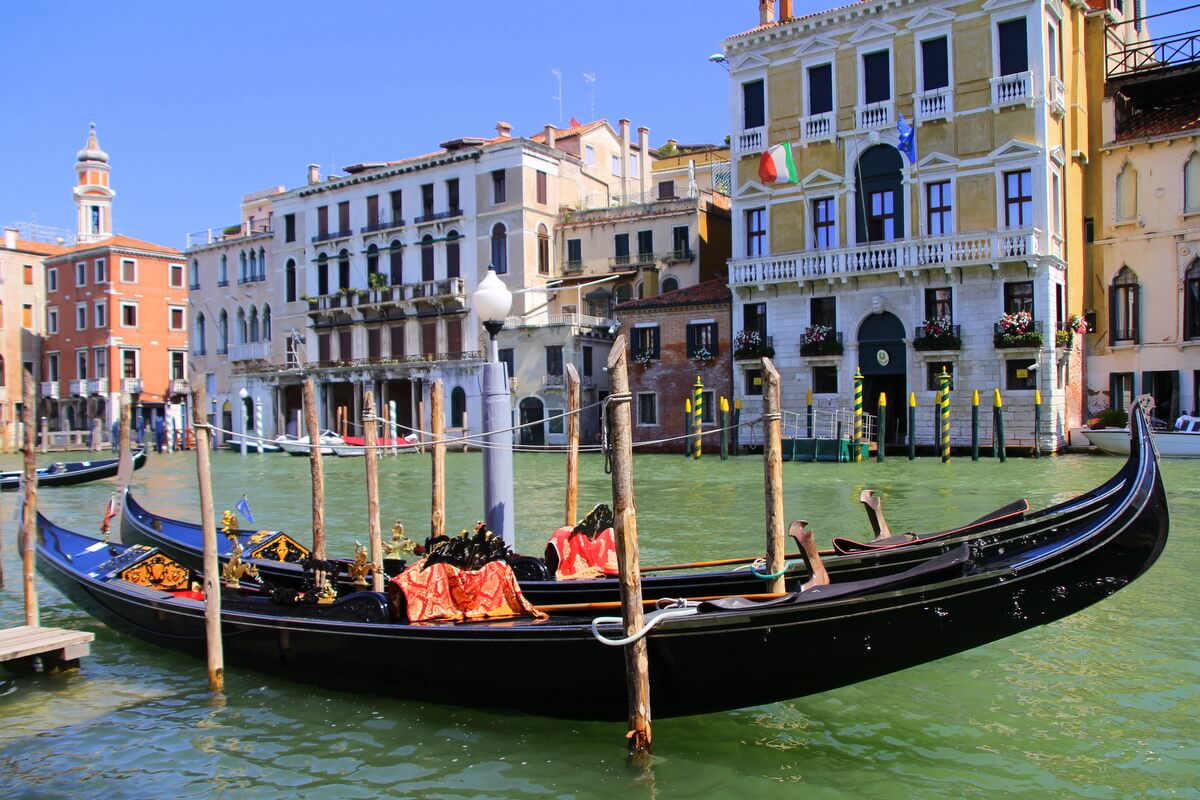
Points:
x=497 y=454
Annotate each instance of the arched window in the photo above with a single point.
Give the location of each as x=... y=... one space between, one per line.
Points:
x=499 y=248
x=458 y=406
x=290 y=280
x=543 y=250
x=253 y=334
x=670 y=284
x=1191 y=183
x=396 y=263
x=242 y=273
x=1127 y=199
x=1191 y=301
x=223 y=276
x=266 y=323
x=195 y=277
x=252 y=273
x=223 y=333
x=641 y=290
x=372 y=262
x=1123 y=307
x=623 y=293
x=198 y=338
x=879 y=208
x=427 y=258
x=344 y=269
x=262 y=264
x=242 y=331
x=453 y=264
x=322 y=274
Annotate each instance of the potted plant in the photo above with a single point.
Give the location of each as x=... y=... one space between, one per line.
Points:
x=750 y=344
x=701 y=356
x=1016 y=330
x=938 y=335
x=1075 y=324
x=644 y=357
x=820 y=340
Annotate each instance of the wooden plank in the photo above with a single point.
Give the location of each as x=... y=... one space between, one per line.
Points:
x=26 y=640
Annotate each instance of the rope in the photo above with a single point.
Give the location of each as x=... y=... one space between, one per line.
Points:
x=671 y=610
x=787 y=565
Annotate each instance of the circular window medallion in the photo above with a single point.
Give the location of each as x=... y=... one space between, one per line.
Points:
x=882 y=357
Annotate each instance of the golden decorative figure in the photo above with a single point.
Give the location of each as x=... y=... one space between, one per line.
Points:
x=229 y=523
x=400 y=545
x=361 y=567
x=327 y=593
x=235 y=570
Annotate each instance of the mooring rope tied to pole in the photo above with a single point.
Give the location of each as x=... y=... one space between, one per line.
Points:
x=677 y=608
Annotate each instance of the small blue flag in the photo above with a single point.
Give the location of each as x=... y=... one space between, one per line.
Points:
x=243 y=508
x=908 y=140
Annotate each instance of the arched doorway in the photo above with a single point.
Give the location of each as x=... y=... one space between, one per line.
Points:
x=458 y=407
x=882 y=357
x=533 y=411
x=879 y=206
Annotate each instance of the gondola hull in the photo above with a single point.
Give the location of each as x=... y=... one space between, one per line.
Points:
x=72 y=473
x=721 y=657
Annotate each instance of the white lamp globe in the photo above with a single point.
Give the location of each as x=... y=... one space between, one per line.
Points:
x=492 y=298
x=242 y=393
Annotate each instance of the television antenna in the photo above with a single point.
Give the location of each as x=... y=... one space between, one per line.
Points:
x=558 y=74
x=590 y=78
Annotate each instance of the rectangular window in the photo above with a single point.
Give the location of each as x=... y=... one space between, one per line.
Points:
x=877 y=84
x=101 y=271
x=81 y=274
x=939 y=208
x=128 y=270
x=395 y=203
x=1055 y=204
x=666 y=190
x=374 y=343
x=554 y=359
x=754 y=382
x=939 y=303
x=754 y=319
x=52 y=279
x=176 y=276
x=429 y=338
x=1018 y=375
x=28 y=273
x=453 y=264
x=101 y=359
x=396 y=333
x=427 y=262
x=754 y=105
x=621 y=248
x=702 y=340
x=881 y=224
x=681 y=241
x=52 y=366
x=129 y=315
x=27 y=316
x=646 y=342
x=427 y=199
x=933 y=369
x=756 y=231
x=589 y=155
x=344 y=217
x=100 y=313
x=176 y=322
x=554 y=420
x=452 y=203
x=541 y=188
x=323 y=221
x=129 y=363
x=820 y=89
x=1051 y=51
x=345 y=345
x=1120 y=387
x=1018 y=296
x=935 y=64
x=81 y=316
x=1014 y=49
x=587 y=361
x=373 y=210
x=633 y=164
x=645 y=240
x=51 y=319
x=823 y=311
x=499 y=187
x=824 y=380
x=824 y=224
x=1018 y=198
x=616 y=165
x=289 y=227
x=506 y=357
x=324 y=351
x=647 y=408
x=454 y=335
x=574 y=252
x=178 y=365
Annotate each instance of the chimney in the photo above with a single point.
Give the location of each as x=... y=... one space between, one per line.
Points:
x=624 y=123
x=314 y=174
x=550 y=133
x=785 y=10
x=643 y=158
x=504 y=130
x=766 y=11
x=10 y=238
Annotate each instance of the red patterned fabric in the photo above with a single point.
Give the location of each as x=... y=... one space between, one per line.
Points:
x=445 y=592
x=582 y=557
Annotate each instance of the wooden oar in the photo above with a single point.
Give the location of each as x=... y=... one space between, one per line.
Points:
x=723 y=562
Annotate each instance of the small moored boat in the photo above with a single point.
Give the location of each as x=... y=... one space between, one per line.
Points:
x=69 y=473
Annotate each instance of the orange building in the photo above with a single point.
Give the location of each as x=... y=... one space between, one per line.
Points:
x=115 y=315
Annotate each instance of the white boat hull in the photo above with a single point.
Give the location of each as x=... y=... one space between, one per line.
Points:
x=1170 y=444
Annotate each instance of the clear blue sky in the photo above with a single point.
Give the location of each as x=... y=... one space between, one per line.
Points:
x=200 y=103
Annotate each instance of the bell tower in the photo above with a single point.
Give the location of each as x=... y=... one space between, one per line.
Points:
x=93 y=197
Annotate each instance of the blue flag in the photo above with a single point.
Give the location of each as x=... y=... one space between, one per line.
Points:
x=243 y=508
x=908 y=140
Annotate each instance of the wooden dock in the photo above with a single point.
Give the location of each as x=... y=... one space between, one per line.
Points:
x=55 y=645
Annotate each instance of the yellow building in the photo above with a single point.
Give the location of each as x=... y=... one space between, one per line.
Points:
x=965 y=257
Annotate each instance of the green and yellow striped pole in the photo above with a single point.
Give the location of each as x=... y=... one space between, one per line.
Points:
x=912 y=425
x=858 y=415
x=975 y=426
x=880 y=455
x=697 y=416
x=687 y=426
x=1037 y=423
x=998 y=424
x=944 y=405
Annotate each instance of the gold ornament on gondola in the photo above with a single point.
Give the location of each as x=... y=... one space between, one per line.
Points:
x=361 y=567
x=400 y=545
x=235 y=569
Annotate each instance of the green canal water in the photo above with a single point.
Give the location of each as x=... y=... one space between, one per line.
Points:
x=1100 y=705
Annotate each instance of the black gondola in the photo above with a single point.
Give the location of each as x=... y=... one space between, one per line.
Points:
x=712 y=656
x=69 y=473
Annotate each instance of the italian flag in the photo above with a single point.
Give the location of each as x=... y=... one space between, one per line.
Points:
x=777 y=165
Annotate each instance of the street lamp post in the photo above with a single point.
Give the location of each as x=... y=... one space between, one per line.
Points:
x=243 y=394
x=493 y=301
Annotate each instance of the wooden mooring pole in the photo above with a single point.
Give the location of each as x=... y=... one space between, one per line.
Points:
x=773 y=473
x=370 y=458
x=572 y=444
x=125 y=454
x=637 y=659
x=316 y=468
x=437 y=429
x=29 y=518
x=208 y=527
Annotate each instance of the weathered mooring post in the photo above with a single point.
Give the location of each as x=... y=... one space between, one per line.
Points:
x=773 y=473
x=687 y=427
x=724 y=428
x=208 y=529
x=881 y=446
x=437 y=429
x=637 y=658
x=998 y=447
x=125 y=452
x=573 y=392
x=1037 y=423
x=371 y=459
x=29 y=516
x=316 y=470
x=975 y=425
x=912 y=425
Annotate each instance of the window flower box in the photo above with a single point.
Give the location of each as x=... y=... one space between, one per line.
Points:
x=751 y=344
x=1018 y=329
x=821 y=340
x=938 y=333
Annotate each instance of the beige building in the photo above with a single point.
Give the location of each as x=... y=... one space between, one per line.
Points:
x=22 y=320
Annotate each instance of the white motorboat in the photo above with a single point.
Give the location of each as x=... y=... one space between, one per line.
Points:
x=354 y=446
x=1181 y=442
x=252 y=445
x=298 y=445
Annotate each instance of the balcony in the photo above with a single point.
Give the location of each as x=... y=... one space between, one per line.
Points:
x=436 y=216
x=551 y=320
x=97 y=385
x=829 y=344
x=329 y=236
x=131 y=385
x=554 y=381
x=1029 y=338
x=396 y=221
x=572 y=266
x=1058 y=98
x=228 y=233
x=223 y=283
x=78 y=388
x=926 y=339
x=959 y=250
x=50 y=390
x=446 y=289
x=876 y=115
x=179 y=386
x=386 y=361
x=250 y=351
x=1011 y=90
x=252 y=279
x=818 y=127
x=679 y=256
x=751 y=140
x=934 y=104
x=630 y=260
